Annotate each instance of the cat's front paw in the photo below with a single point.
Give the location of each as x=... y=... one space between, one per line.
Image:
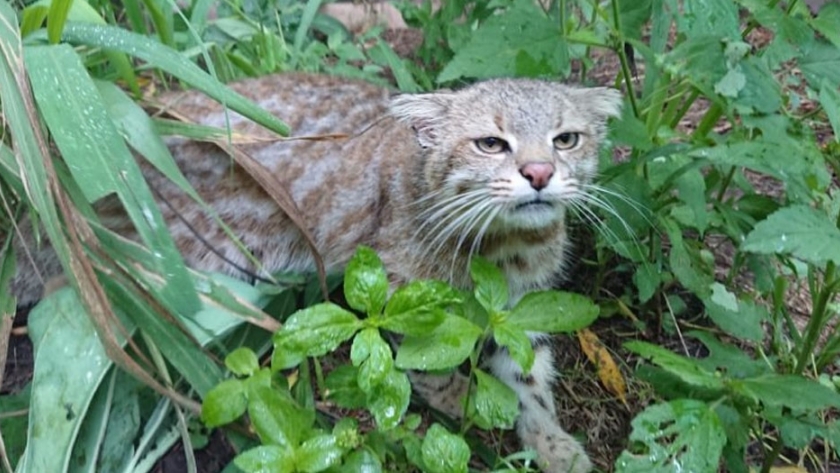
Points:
x=559 y=453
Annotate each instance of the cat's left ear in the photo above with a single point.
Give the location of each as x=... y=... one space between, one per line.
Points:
x=604 y=102
x=423 y=113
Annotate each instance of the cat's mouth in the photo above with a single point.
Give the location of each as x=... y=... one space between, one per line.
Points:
x=533 y=204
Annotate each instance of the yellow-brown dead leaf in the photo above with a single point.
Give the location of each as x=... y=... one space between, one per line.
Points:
x=606 y=367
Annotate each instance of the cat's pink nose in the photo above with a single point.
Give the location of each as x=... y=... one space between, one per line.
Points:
x=538 y=174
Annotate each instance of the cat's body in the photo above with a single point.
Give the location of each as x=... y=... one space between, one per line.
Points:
x=425 y=180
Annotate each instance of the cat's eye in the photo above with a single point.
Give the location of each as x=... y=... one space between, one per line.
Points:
x=491 y=145
x=565 y=141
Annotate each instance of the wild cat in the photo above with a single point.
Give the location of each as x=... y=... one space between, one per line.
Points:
x=426 y=180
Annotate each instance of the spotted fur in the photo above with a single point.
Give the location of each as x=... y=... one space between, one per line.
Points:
x=418 y=179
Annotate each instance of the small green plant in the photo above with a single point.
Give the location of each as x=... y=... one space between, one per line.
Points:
x=441 y=328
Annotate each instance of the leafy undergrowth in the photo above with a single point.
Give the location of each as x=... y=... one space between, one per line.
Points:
x=744 y=375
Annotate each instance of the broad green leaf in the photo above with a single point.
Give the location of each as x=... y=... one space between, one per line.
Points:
x=801 y=231
x=553 y=312
x=686 y=369
x=495 y=401
x=365 y=282
x=740 y=318
x=388 y=401
x=681 y=435
x=827 y=21
x=266 y=459
x=728 y=357
x=418 y=307
x=795 y=392
x=821 y=62
x=491 y=288
x=277 y=419
x=362 y=461
x=343 y=387
x=517 y=343
x=647 y=279
x=709 y=17
x=830 y=100
x=99 y=159
x=14 y=409
x=445 y=347
x=316 y=330
x=318 y=454
x=444 y=452
x=632 y=16
x=373 y=356
x=691 y=189
x=242 y=362
x=61 y=391
x=159 y=55
x=224 y=403
x=520 y=41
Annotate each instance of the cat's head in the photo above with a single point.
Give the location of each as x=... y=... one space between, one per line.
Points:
x=507 y=153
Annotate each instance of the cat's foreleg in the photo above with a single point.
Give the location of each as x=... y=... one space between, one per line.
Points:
x=537 y=425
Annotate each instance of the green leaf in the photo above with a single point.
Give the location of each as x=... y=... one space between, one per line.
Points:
x=171 y=61
x=740 y=318
x=266 y=459
x=830 y=100
x=388 y=400
x=98 y=157
x=795 y=392
x=553 y=312
x=362 y=461
x=444 y=452
x=801 y=231
x=683 y=432
x=365 y=282
x=61 y=391
x=445 y=347
x=686 y=369
x=522 y=34
x=373 y=357
x=517 y=343
x=343 y=387
x=318 y=454
x=821 y=62
x=242 y=362
x=495 y=401
x=826 y=23
x=491 y=288
x=224 y=403
x=418 y=307
x=277 y=419
x=314 y=331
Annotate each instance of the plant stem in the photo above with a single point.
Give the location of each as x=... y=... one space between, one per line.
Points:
x=618 y=47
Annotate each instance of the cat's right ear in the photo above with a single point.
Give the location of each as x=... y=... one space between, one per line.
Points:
x=423 y=113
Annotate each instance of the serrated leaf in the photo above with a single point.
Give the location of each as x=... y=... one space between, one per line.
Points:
x=740 y=318
x=605 y=365
x=266 y=459
x=418 y=307
x=553 y=311
x=445 y=347
x=365 y=282
x=491 y=288
x=800 y=231
x=242 y=362
x=373 y=357
x=517 y=343
x=315 y=331
x=497 y=48
x=276 y=418
x=684 y=432
x=388 y=401
x=795 y=392
x=495 y=401
x=318 y=454
x=224 y=403
x=444 y=452
x=685 y=368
